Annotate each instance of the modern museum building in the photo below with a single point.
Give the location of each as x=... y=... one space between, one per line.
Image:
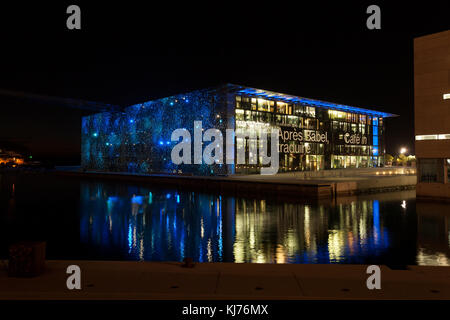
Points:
x=314 y=134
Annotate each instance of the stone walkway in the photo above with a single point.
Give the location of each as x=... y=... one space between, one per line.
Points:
x=166 y=280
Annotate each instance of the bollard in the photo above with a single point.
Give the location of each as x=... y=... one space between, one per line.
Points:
x=187 y=263
x=26 y=259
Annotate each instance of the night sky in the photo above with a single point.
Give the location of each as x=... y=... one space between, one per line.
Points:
x=127 y=53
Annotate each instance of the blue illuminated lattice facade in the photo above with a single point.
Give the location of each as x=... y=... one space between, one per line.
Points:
x=138 y=139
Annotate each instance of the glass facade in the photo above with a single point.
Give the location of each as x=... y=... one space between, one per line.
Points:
x=311 y=137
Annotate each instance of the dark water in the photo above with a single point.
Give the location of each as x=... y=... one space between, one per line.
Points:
x=116 y=221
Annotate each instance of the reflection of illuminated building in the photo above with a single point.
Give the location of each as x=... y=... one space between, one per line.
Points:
x=145 y=225
x=157 y=225
x=433 y=223
x=348 y=232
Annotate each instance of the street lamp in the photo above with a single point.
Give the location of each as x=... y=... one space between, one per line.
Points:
x=403 y=150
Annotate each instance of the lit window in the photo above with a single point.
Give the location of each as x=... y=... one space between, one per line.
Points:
x=443 y=136
x=263 y=105
x=311 y=111
x=427 y=137
x=448 y=170
x=362 y=119
x=253 y=102
x=446 y=96
x=281 y=107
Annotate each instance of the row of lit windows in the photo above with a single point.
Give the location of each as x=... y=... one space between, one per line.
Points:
x=352 y=149
x=302 y=162
x=317 y=148
x=353 y=127
x=354 y=117
x=290 y=162
x=299 y=122
x=310 y=162
x=343 y=162
x=258 y=104
x=433 y=137
x=278 y=119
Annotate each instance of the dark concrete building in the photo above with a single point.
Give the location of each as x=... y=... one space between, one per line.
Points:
x=432 y=114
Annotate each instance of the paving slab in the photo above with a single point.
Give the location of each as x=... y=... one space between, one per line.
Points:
x=258 y=284
x=169 y=280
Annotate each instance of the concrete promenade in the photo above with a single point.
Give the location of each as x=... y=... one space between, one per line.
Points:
x=168 y=280
x=310 y=185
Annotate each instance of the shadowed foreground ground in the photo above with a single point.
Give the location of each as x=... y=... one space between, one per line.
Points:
x=168 y=280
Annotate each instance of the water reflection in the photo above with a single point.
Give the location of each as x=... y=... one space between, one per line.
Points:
x=121 y=222
x=144 y=225
x=135 y=223
x=293 y=233
x=433 y=222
